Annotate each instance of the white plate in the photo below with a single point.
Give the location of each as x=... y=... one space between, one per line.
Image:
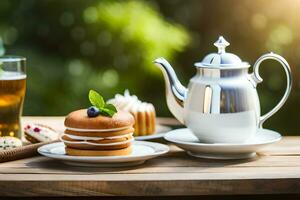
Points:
x=186 y=140
x=142 y=151
x=160 y=133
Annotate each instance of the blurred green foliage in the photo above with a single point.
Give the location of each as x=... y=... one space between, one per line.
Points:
x=109 y=45
x=105 y=45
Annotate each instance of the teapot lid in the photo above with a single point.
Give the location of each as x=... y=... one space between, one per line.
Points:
x=222 y=59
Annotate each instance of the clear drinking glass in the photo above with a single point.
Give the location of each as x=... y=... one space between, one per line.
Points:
x=12 y=93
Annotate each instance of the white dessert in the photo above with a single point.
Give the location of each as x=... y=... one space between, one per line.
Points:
x=41 y=133
x=7 y=143
x=144 y=113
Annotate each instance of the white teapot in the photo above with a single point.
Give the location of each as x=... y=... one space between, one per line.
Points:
x=221 y=104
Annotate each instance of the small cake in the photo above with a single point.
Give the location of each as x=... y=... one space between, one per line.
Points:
x=87 y=134
x=144 y=113
x=36 y=133
x=8 y=142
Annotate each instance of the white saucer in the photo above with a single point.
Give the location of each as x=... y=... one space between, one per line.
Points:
x=160 y=133
x=142 y=151
x=185 y=139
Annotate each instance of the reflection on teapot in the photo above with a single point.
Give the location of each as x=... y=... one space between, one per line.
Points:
x=221 y=104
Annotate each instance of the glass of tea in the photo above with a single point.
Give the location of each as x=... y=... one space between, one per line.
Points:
x=12 y=93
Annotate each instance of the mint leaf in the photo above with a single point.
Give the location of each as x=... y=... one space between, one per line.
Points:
x=107 y=112
x=96 y=99
x=111 y=107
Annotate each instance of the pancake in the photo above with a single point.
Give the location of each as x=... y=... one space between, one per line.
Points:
x=101 y=141
x=80 y=152
x=79 y=119
x=93 y=147
x=100 y=134
x=75 y=137
x=104 y=144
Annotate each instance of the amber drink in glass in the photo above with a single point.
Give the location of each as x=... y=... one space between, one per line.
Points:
x=12 y=93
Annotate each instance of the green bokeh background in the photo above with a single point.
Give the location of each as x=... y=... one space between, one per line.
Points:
x=76 y=45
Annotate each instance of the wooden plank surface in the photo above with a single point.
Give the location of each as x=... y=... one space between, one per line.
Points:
x=275 y=171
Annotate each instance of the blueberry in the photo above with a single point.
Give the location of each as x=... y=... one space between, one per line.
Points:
x=93 y=111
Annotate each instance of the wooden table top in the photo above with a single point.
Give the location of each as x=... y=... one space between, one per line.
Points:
x=275 y=171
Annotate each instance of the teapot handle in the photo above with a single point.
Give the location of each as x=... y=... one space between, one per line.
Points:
x=257 y=78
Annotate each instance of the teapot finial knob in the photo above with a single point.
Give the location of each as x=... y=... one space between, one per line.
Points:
x=221 y=44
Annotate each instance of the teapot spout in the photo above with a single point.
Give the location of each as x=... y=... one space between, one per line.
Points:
x=175 y=91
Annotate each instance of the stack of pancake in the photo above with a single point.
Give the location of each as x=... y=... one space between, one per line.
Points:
x=98 y=136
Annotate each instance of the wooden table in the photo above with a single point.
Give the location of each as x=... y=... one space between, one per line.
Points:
x=275 y=171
